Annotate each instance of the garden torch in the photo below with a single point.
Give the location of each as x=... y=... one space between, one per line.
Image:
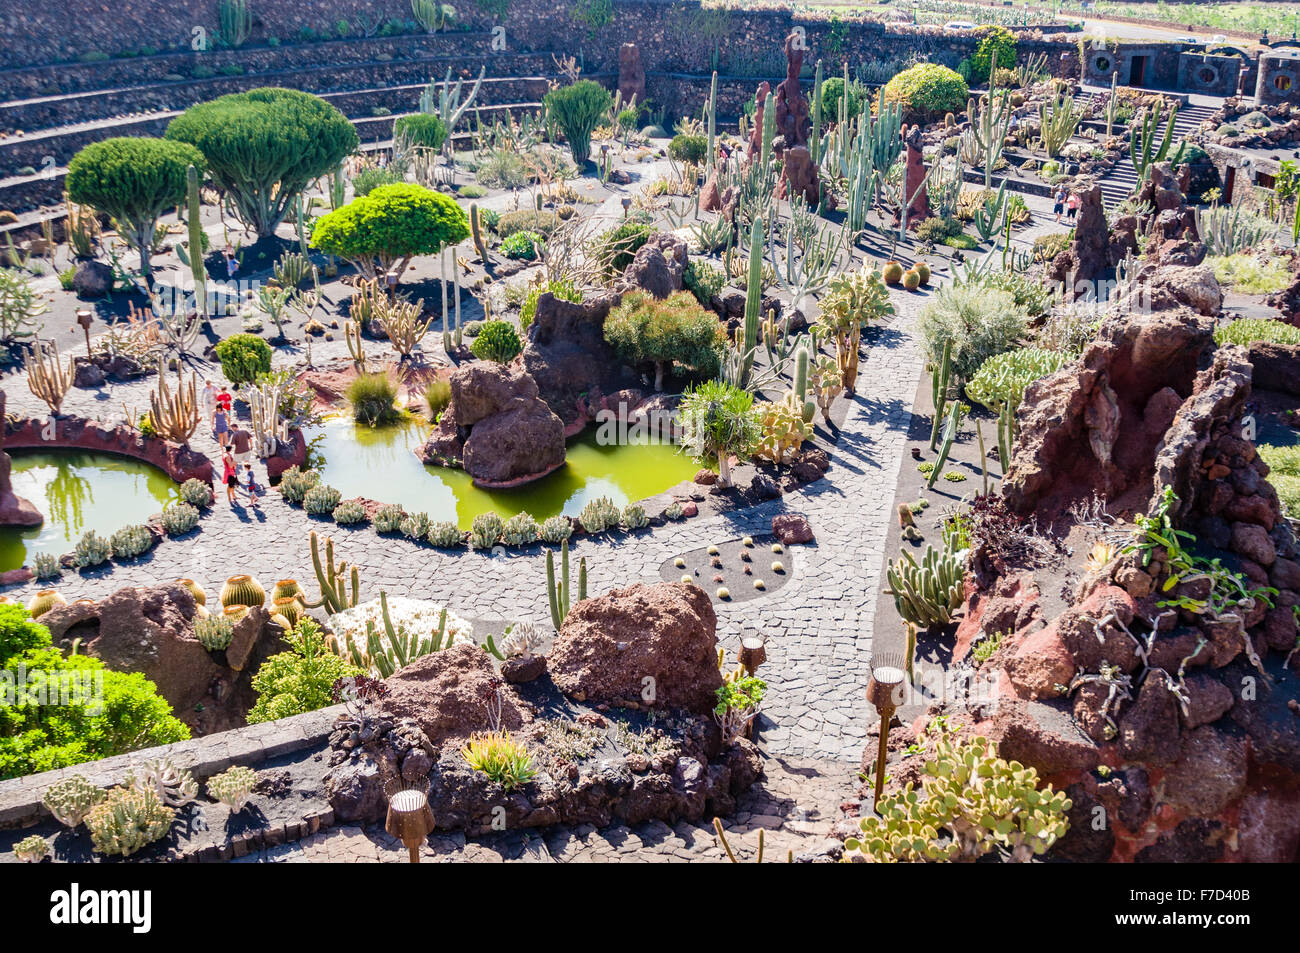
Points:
x=885 y=692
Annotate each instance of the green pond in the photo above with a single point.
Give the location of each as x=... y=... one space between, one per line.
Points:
x=76 y=492
x=380 y=464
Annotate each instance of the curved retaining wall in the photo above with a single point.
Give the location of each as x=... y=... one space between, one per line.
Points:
x=75 y=433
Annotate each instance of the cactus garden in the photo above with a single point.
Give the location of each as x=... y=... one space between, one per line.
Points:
x=647 y=432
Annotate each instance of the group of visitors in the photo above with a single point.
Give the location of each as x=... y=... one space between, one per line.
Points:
x=236 y=445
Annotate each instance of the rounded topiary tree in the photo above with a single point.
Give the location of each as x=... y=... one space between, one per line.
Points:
x=577 y=110
x=420 y=129
x=645 y=330
x=926 y=91
x=833 y=93
x=265 y=146
x=134 y=179
x=243 y=357
x=689 y=148
x=384 y=230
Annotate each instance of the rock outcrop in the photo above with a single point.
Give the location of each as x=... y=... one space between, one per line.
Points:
x=566 y=352
x=14 y=510
x=496 y=427
x=651 y=646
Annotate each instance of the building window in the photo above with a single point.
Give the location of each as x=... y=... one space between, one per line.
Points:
x=1282 y=82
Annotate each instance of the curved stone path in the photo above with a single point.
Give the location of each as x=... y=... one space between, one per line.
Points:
x=818 y=626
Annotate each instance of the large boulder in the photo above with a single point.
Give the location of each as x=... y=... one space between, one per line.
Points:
x=658 y=266
x=640 y=646
x=14 y=510
x=453 y=693
x=1094 y=425
x=566 y=353
x=496 y=427
x=92 y=279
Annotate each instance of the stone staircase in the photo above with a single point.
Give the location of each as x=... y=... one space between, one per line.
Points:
x=1122 y=180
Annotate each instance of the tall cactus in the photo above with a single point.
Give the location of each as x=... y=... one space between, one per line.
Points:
x=47 y=378
x=1142 y=140
x=988 y=127
x=477 y=231
x=174 y=413
x=399 y=647
x=558 y=595
x=712 y=119
x=815 y=139
x=1058 y=118
x=333 y=579
x=939 y=391
x=807 y=405
x=196 y=240
x=955 y=415
x=1112 y=104
x=753 y=297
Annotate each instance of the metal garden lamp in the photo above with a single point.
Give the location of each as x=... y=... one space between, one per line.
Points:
x=85 y=318
x=410 y=819
x=885 y=693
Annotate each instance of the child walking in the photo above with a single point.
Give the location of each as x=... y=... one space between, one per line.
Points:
x=252 y=485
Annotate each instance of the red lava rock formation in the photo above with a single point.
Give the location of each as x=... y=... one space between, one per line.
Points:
x=150 y=630
x=14 y=510
x=610 y=645
x=631 y=74
x=918 y=199
x=496 y=427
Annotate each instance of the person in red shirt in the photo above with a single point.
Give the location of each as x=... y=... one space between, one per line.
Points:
x=229 y=476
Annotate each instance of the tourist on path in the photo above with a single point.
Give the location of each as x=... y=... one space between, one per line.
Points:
x=229 y=476
x=241 y=441
x=250 y=482
x=209 y=399
x=1073 y=206
x=220 y=426
x=1058 y=208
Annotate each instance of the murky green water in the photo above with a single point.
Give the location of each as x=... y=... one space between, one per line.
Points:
x=76 y=492
x=380 y=464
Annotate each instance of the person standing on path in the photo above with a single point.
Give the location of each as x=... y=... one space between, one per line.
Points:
x=241 y=441
x=1058 y=204
x=209 y=399
x=1073 y=206
x=220 y=426
x=229 y=476
x=252 y=485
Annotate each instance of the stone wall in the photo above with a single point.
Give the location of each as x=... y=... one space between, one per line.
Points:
x=1278 y=79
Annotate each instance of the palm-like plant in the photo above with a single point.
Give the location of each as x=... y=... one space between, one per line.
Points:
x=719 y=419
x=852 y=301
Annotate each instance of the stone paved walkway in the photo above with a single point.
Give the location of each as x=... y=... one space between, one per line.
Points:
x=819 y=625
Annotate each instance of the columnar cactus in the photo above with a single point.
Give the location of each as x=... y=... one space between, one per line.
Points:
x=127 y=820
x=929 y=592
x=233 y=787
x=194 y=212
x=71 y=799
x=333 y=579
x=558 y=595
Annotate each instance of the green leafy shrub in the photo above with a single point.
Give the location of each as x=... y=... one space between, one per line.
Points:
x=265 y=146
x=299 y=680
x=1047 y=247
x=503 y=169
x=703 y=280
x=577 y=110
x=995 y=39
x=833 y=94
x=522 y=246
x=646 y=330
x=243 y=357
x=471 y=191
x=39 y=737
x=383 y=231
x=689 y=148
x=420 y=129
x=1247 y=274
x=497 y=341
x=927 y=91
x=979 y=322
